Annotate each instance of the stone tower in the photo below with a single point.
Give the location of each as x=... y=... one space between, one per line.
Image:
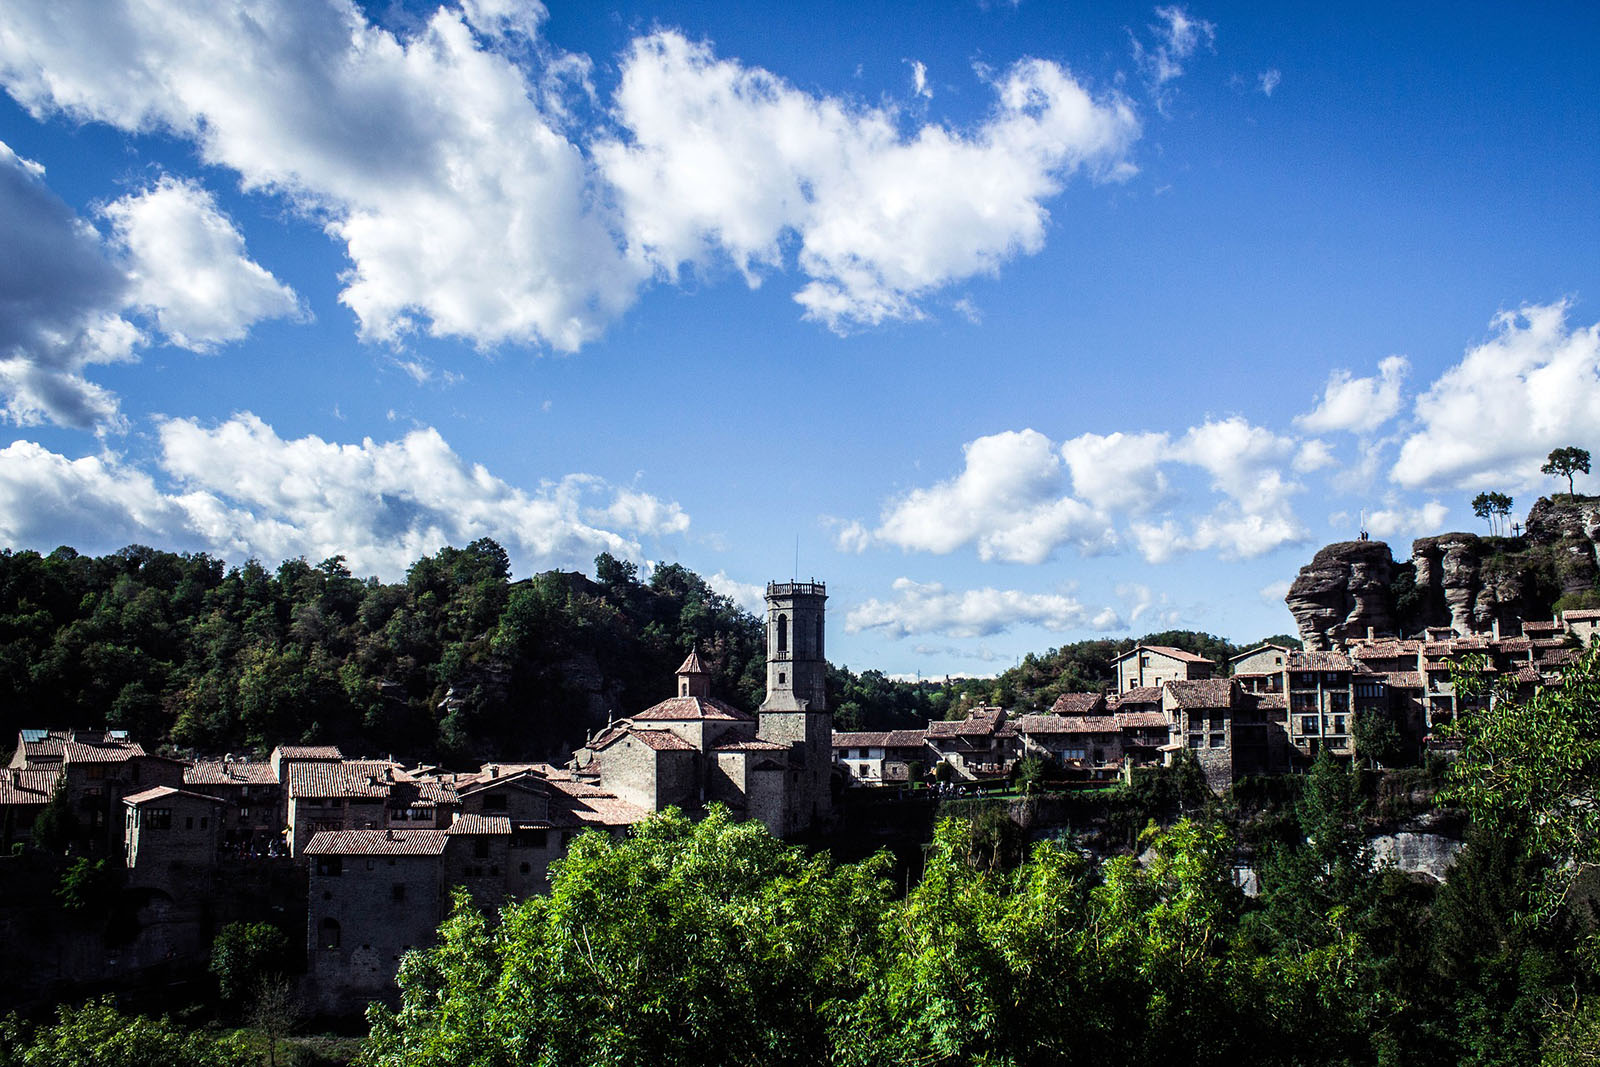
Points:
x=795 y=712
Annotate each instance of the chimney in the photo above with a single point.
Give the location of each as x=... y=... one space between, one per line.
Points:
x=1494 y=628
x=1371 y=633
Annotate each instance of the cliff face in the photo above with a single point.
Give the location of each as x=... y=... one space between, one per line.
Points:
x=1343 y=590
x=1458 y=580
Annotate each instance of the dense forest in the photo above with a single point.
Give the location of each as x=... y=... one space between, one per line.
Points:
x=456 y=663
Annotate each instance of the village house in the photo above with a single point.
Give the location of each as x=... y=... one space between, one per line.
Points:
x=982 y=745
x=1582 y=623
x=1155 y=665
x=887 y=757
x=170 y=838
x=254 y=812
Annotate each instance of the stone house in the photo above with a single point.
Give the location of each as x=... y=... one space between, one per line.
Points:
x=255 y=811
x=1230 y=732
x=1090 y=744
x=1155 y=665
x=981 y=745
x=24 y=793
x=335 y=795
x=1582 y=623
x=882 y=757
x=374 y=895
x=171 y=837
x=1260 y=670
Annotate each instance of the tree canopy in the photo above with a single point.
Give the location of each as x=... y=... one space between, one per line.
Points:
x=1566 y=462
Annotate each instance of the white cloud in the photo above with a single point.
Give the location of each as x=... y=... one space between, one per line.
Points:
x=1313 y=455
x=751 y=596
x=60 y=306
x=1008 y=501
x=187 y=266
x=1274 y=592
x=852 y=537
x=921 y=608
x=1178 y=35
x=1269 y=80
x=468 y=172
x=458 y=200
x=919 y=80
x=1397 y=518
x=1118 y=471
x=240 y=490
x=1358 y=405
x=726 y=160
x=1490 y=420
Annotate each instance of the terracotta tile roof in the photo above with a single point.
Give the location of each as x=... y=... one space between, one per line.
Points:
x=1558 y=657
x=1527 y=675
x=165 y=792
x=859 y=740
x=907 y=739
x=1269 y=701
x=1529 y=629
x=1550 y=642
x=351 y=778
x=1139 y=694
x=317 y=752
x=235 y=772
x=981 y=722
x=1320 y=661
x=578 y=804
x=692 y=665
x=1210 y=693
x=1078 y=704
x=109 y=752
x=1140 y=720
x=27 y=786
x=659 y=740
x=41 y=746
x=1068 y=724
x=1165 y=650
x=754 y=745
x=1513 y=644
x=480 y=825
x=1404 y=679
x=377 y=843
x=692 y=709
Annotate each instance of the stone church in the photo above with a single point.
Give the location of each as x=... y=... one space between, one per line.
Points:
x=694 y=749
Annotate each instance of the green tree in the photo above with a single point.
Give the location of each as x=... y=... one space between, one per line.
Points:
x=685 y=943
x=244 y=954
x=1565 y=462
x=98 y=1035
x=1492 y=507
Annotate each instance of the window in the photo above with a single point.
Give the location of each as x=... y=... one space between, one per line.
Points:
x=480 y=848
x=188 y=822
x=331 y=867
x=1308 y=724
x=95 y=771
x=244 y=813
x=525 y=868
x=205 y=822
x=397 y=892
x=1196 y=741
x=1218 y=740
x=328 y=934
x=1338 y=724
x=530 y=838
x=157 y=818
x=494 y=802
x=783 y=633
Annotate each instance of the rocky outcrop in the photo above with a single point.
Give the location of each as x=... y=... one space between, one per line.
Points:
x=1459 y=580
x=1343 y=592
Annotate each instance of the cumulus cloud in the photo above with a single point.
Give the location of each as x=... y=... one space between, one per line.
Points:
x=726 y=160
x=923 y=608
x=238 y=489
x=1008 y=501
x=1398 y=518
x=751 y=596
x=1532 y=386
x=460 y=203
x=1011 y=503
x=481 y=193
x=187 y=266
x=60 y=306
x=1358 y=405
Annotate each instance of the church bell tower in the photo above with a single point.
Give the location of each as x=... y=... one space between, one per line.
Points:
x=796 y=666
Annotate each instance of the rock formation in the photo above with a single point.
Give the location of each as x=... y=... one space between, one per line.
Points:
x=1460 y=580
x=1342 y=593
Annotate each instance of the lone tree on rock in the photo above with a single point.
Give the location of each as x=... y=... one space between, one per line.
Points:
x=1567 y=461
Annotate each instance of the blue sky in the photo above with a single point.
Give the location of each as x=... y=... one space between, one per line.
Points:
x=1024 y=323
